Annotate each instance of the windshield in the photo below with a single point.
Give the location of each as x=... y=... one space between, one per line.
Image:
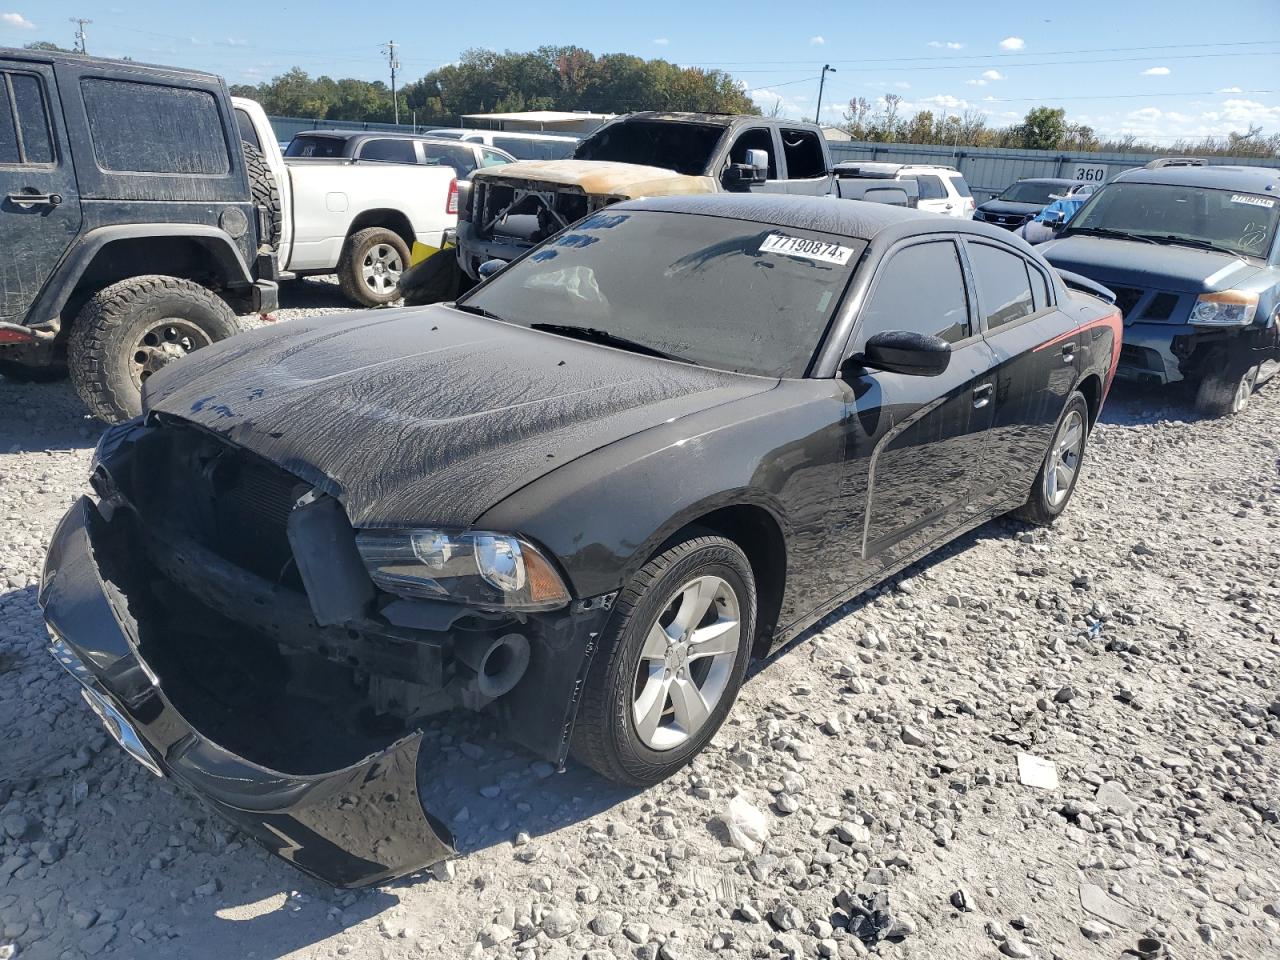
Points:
x=719 y=292
x=683 y=147
x=302 y=146
x=1242 y=223
x=1033 y=192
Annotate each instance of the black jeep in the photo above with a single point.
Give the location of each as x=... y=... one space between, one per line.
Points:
x=131 y=216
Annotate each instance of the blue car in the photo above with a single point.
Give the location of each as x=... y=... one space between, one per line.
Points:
x=1192 y=254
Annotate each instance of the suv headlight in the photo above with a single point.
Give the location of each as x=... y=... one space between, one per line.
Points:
x=494 y=571
x=1229 y=309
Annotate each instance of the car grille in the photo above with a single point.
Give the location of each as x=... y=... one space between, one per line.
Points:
x=1161 y=307
x=1126 y=299
x=1007 y=220
x=1137 y=303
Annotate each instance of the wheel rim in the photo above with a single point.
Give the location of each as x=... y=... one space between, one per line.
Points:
x=1244 y=389
x=686 y=662
x=382 y=268
x=162 y=343
x=1064 y=459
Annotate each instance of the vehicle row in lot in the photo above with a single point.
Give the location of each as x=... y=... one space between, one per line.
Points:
x=583 y=498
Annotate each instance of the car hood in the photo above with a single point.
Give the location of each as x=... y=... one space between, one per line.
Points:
x=597 y=178
x=1009 y=207
x=427 y=414
x=1158 y=266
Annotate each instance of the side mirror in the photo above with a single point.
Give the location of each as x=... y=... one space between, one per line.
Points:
x=1054 y=217
x=901 y=351
x=755 y=170
x=489 y=268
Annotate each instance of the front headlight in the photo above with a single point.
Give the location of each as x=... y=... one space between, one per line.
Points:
x=1229 y=309
x=494 y=571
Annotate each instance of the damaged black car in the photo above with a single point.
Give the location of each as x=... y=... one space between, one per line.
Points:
x=581 y=500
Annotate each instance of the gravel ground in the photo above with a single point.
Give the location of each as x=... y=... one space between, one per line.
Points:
x=865 y=794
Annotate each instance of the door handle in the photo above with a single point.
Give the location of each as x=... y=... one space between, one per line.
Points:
x=982 y=395
x=1068 y=353
x=29 y=200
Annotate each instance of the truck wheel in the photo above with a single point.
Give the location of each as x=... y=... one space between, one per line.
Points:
x=371 y=264
x=670 y=663
x=34 y=362
x=265 y=192
x=131 y=329
x=1056 y=480
x=1227 y=390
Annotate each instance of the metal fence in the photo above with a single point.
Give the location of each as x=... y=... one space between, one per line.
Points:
x=988 y=170
x=286 y=127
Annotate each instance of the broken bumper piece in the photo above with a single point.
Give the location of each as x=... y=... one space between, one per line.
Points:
x=350 y=827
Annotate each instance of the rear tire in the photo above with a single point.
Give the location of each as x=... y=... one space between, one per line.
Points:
x=129 y=330
x=1227 y=390
x=370 y=267
x=701 y=663
x=34 y=362
x=1060 y=470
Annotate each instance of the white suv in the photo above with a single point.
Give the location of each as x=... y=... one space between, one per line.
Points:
x=942 y=189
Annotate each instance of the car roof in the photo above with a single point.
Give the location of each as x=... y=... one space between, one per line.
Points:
x=1052 y=181
x=1219 y=176
x=518 y=134
x=351 y=134
x=70 y=56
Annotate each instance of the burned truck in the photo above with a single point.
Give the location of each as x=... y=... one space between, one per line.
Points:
x=514 y=207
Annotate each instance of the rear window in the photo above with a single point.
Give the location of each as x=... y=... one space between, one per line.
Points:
x=25 y=91
x=247 y=133
x=1004 y=288
x=960 y=187
x=1026 y=192
x=389 y=151
x=151 y=128
x=461 y=157
x=324 y=147
x=931 y=188
x=534 y=149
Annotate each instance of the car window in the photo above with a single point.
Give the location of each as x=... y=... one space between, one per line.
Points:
x=683 y=147
x=1027 y=191
x=803 y=151
x=460 y=156
x=518 y=147
x=389 y=151
x=920 y=290
x=931 y=187
x=1004 y=289
x=724 y=293
x=958 y=184
x=1040 y=286
x=308 y=146
x=247 y=133
x=492 y=158
x=152 y=128
x=25 y=91
x=757 y=138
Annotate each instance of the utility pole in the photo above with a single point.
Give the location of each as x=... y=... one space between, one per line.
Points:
x=80 y=23
x=826 y=67
x=390 y=46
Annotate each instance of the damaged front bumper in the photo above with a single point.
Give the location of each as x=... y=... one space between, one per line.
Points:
x=353 y=826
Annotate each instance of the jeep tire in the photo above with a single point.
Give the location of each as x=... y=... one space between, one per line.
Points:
x=130 y=329
x=265 y=192
x=370 y=266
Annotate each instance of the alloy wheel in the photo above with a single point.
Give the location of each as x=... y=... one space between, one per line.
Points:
x=162 y=343
x=686 y=662
x=381 y=268
x=1244 y=389
x=1064 y=459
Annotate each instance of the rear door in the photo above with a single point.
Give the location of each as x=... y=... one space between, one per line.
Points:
x=805 y=162
x=1034 y=375
x=933 y=193
x=40 y=209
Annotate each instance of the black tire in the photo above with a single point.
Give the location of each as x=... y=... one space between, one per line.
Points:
x=34 y=362
x=1227 y=388
x=360 y=245
x=1040 y=508
x=605 y=736
x=108 y=335
x=265 y=192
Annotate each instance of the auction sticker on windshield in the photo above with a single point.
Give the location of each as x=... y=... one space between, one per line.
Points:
x=808 y=249
x=1252 y=201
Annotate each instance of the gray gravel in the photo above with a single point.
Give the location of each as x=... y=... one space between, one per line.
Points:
x=865 y=795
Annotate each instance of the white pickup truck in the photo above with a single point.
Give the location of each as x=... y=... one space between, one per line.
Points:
x=358 y=218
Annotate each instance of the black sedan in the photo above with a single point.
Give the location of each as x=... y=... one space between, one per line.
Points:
x=581 y=499
x=1023 y=200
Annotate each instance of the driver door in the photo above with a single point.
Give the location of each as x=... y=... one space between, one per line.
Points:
x=756 y=138
x=915 y=445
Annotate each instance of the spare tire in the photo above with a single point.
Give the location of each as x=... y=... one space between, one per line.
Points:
x=265 y=192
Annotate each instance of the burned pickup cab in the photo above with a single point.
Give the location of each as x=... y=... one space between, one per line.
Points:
x=581 y=499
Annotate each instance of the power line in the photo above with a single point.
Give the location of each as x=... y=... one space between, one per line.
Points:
x=81 y=36
x=390 y=46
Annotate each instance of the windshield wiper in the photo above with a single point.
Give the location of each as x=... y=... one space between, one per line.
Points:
x=1108 y=232
x=595 y=335
x=1197 y=242
x=478 y=311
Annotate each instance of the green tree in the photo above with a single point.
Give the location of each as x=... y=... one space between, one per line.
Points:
x=1043 y=128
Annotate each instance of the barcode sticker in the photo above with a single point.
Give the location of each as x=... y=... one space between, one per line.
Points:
x=806 y=249
x=1252 y=201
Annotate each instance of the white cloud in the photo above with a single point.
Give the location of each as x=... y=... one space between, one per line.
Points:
x=946 y=44
x=992 y=75
x=661 y=41
x=939 y=100
x=1235 y=114
x=1156 y=72
x=881 y=84
x=1229 y=90
x=16 y=20
x=1012 y=43
x=817 y=41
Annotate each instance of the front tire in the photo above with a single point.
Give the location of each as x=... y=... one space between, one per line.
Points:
x=1056 y=479
x=1228 y=390
x=670 y=664
x=131 y=329
x=370 y=267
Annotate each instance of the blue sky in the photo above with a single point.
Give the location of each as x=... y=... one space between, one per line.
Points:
x=1205 y=68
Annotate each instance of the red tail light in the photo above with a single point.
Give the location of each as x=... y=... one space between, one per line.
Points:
x=451 y=205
